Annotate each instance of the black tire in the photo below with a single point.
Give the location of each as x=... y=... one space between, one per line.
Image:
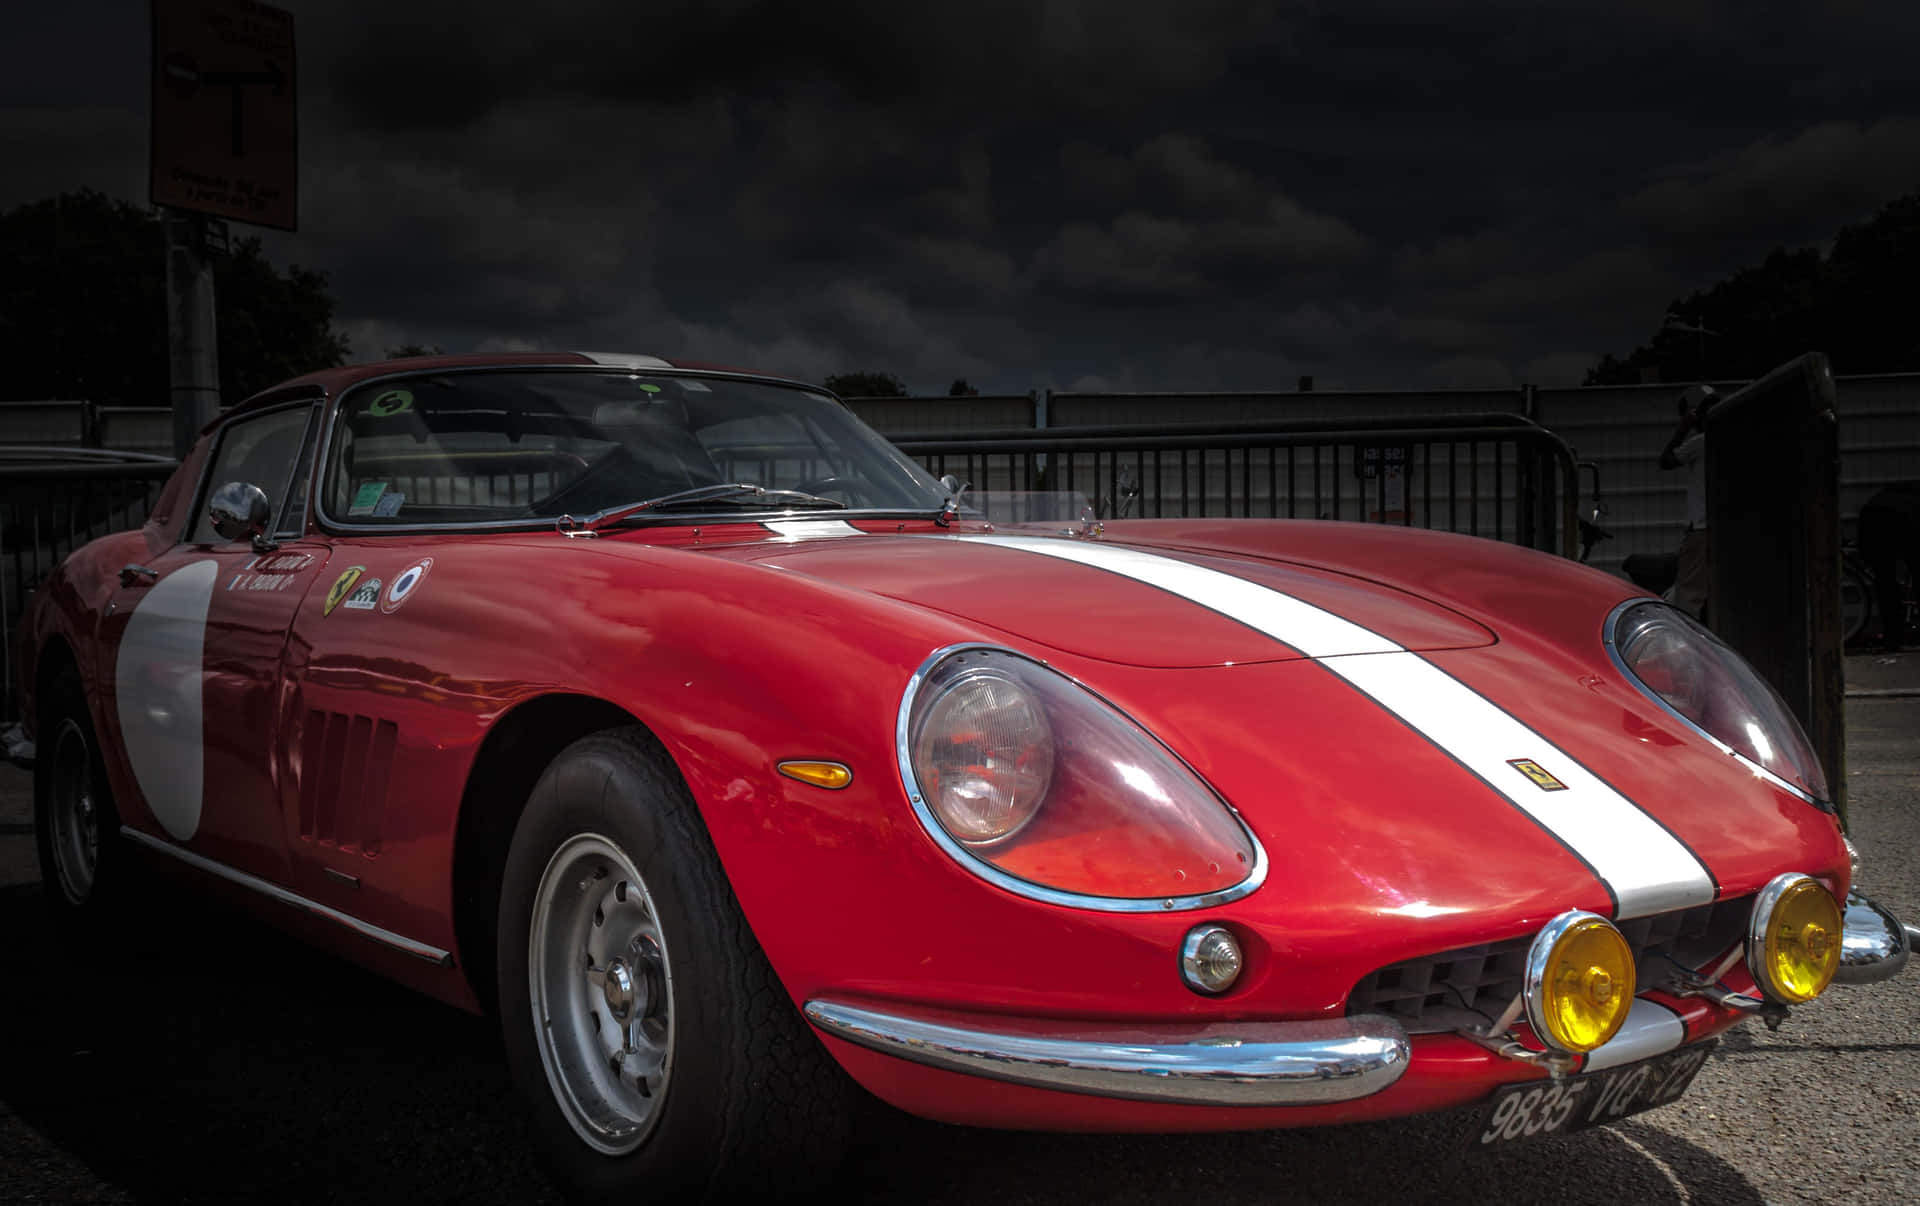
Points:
x=86 y=870
x=750 y=1100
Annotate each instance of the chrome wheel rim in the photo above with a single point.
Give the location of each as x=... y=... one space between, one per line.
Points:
x=602 y=994
x=75 y=818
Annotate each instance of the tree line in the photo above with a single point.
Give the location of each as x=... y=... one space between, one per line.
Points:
x=1854 y=301
x=83 y=313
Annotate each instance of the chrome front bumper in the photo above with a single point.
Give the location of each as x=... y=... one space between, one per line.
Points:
x=1239 y=1064
x=1874 y=945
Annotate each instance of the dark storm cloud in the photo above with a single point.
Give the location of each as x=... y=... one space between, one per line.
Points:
x=1056 y=193
x=454 y=63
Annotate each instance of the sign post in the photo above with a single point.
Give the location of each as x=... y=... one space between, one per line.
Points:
x=223 y=144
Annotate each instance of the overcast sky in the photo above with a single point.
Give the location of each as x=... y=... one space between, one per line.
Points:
x=1051 y=193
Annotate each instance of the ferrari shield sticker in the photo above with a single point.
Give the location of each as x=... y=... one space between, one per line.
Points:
x=403 y=586
x=1537 y=773
x=364 y=596
x=341 y=586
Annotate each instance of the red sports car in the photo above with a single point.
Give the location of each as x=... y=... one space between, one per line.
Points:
x=735 y=762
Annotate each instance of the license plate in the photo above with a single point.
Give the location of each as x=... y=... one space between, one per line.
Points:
x=1544 y=1107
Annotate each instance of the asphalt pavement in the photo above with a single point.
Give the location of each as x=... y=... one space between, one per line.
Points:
x=201 y=1057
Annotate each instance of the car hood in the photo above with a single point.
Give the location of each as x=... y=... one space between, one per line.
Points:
x=1024 y=581
x=1343 y=686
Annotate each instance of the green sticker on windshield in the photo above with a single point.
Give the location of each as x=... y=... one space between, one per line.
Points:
x=366 y=498
x=652 y=389
x=393 y=402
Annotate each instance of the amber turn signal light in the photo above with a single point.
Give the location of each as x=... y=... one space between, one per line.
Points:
x=830 y=775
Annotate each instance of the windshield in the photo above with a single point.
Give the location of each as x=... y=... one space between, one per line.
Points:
x=446 y=449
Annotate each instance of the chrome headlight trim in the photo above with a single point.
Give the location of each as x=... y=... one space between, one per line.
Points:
x=1539 y=955
x=910 y=784
x=1755 y=950
x=1610 y=633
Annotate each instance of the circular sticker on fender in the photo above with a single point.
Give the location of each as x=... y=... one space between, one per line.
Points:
x=405 y=584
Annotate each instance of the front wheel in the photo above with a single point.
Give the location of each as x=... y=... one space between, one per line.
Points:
x=657 y=1050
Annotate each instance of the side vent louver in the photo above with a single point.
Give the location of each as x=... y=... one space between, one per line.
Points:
x=345 y=763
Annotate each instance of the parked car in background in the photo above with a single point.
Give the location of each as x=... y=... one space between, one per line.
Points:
x=740 y=768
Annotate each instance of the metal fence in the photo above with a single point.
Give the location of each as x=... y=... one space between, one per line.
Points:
x=1619 y=429
x=52 y=501
x=1495 y=475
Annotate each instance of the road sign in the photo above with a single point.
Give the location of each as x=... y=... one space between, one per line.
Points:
x=223 y=110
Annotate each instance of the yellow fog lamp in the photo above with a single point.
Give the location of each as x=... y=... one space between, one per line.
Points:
x=1580 y=981
x=1793 y=941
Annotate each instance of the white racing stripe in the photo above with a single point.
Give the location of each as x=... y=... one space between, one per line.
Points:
x=811 y=527
x=1644 y=866
x=1650 y=1029
x=625 y=360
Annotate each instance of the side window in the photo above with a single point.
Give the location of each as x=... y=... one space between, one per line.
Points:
x=260 y=451
x=293 y=515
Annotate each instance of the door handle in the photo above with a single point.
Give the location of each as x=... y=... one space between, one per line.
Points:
x=138 y=575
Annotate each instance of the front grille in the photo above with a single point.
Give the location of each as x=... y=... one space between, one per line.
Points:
x=1473 y=985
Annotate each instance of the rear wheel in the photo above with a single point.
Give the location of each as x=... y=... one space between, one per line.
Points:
x=656 y=1049
x=85 y=867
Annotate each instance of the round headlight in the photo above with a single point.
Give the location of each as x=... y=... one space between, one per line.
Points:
x=1580 y=982
x=984 y=754
x=1040 y=786
x=1694 y=675
x=1793 y=942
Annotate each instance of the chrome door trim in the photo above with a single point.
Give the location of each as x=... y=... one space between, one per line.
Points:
x=200 y=862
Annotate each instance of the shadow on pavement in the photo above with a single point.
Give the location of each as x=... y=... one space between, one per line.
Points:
x=205 y=1057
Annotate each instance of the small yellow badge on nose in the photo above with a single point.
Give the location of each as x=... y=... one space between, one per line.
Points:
x=1534 y=771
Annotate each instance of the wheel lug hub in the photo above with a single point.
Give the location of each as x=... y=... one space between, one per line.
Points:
x=618 y=989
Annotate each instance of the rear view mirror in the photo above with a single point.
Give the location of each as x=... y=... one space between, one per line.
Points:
x=240 y=511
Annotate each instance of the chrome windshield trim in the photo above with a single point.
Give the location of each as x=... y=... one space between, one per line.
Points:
x=547 y=523
x=1874 y=945
x=399 y=942
x=317 y=504
x=1179 y=1063
x=909 y=783
x=1608 y=632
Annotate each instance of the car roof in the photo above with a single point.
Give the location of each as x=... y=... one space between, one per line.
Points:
x=331 y=382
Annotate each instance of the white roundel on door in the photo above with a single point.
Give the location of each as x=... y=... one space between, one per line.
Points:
x=404 y=584
x=157 y=682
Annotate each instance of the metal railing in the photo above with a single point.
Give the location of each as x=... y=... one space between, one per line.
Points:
x=1496 y=475
x=52 y=501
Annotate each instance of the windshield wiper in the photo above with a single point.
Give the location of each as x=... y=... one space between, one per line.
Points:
x=719 y=491
x=956 y=494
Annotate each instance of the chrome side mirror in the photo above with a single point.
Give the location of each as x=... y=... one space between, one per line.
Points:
x=240 y=511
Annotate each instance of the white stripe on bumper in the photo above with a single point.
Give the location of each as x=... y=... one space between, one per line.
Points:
x=1644 y=866
x=1650 y=1029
